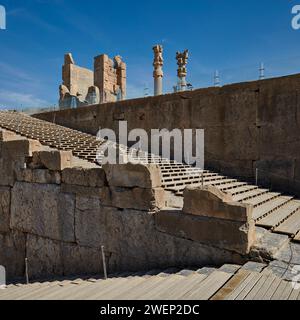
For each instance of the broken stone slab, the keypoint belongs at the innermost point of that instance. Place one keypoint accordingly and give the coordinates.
(131, 175)
(211, 202)
(235, 236)
(268, 245)
(290, 253)
(173, 201)
(89, 177)
(53, 160)
(284, 270)
(254, 266)
(138, 198)
(42, 209)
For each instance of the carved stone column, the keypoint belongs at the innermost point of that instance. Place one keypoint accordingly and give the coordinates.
(158, 72)
(182, 58)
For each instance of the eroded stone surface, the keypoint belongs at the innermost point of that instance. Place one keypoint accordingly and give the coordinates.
(12, 253)
(211, 202)
(133, 175)
(43, 210)
(90, 222)
(4, 209)
(94, 177)
(138, 198)
(224, 234)
(268, 245)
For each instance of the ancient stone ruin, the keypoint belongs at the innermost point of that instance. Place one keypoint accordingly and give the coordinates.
(81, 86)
(64, 213)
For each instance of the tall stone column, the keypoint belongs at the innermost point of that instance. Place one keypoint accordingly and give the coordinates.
(158, 72)
(182, 58)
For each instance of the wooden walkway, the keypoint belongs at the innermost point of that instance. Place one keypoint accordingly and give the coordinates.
(231, 282)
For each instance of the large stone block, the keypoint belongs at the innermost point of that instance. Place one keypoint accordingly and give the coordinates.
(133, 175)
(6, 135)
(43, 176)
(89, 177)
(44, 257)
(4, 209)
(211, 202)
(49, 258)
(21, 148)
(13, 157)
(79, 260)
(138, 198)
(90, 222)
(235, 236)
(12, 254)
(54, 160)
(43, 210)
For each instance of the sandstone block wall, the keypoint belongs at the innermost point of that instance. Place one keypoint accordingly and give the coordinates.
(248, 126)
(58, 217)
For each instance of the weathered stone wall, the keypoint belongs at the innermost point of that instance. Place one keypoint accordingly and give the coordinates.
(58, 216)
(248, 126)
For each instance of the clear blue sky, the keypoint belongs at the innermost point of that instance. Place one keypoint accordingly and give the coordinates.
(232, 36)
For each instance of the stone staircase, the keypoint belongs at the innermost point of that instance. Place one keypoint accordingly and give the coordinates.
(253, 281)
(280, 214)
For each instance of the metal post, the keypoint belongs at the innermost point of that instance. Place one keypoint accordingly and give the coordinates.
(217, 79)
(26, 271)
(104, 263)
(202, 180)
(261, 71)
(256, 176)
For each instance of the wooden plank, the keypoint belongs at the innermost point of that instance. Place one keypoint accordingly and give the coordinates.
(186, 286)
(294, 294)
(209, 286)
(276, 217)
(250, 194)
(174, 281)
(268, 207)
(256, 288)
(287, 291)
(265, 287)
(279, 291)
(244, 292)
(231, 285)
(242, 189)
(262, 199)
(273, 287)
(291, 226)
(241, 286)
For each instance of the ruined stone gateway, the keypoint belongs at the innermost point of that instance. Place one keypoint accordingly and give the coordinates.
(59, 206)
(81, 86)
